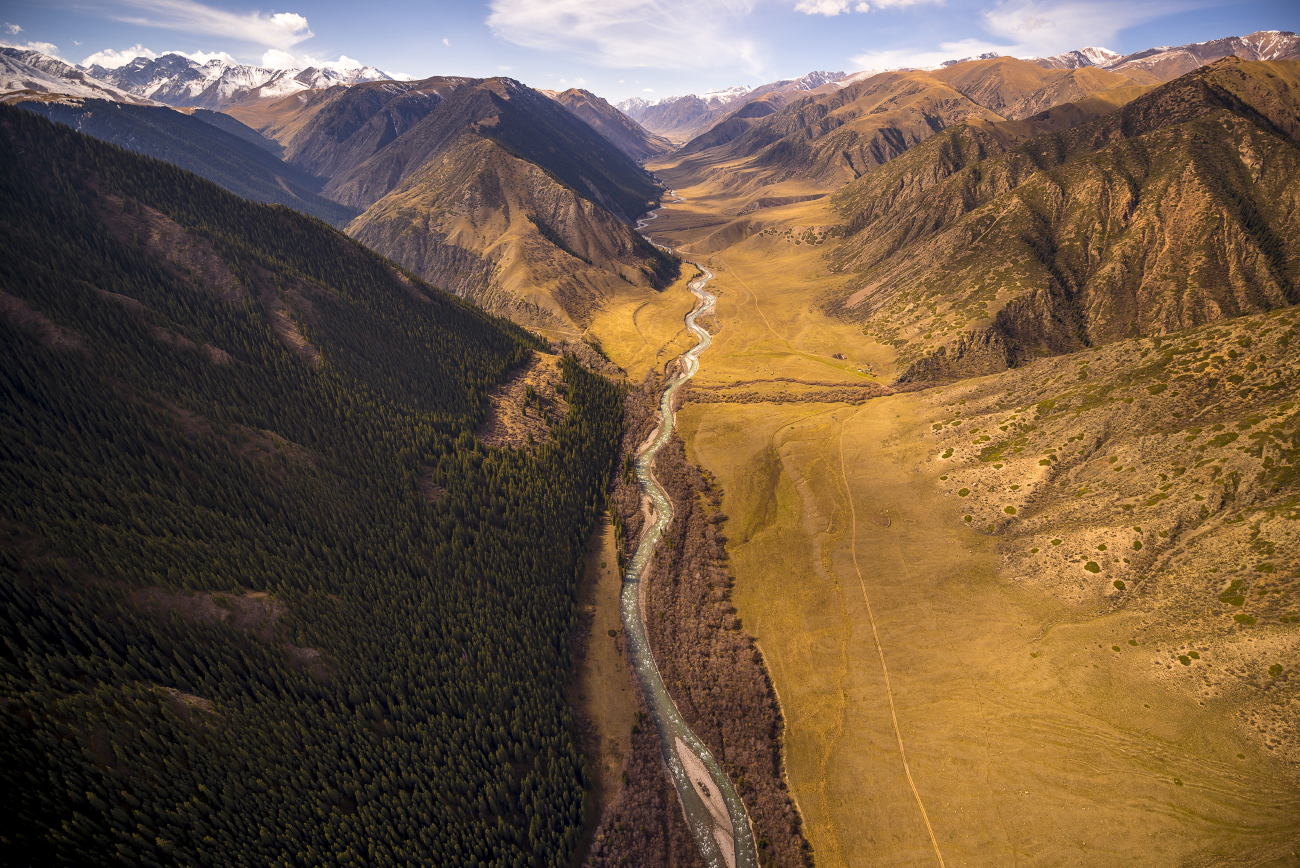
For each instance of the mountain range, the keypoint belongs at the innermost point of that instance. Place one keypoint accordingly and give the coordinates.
(681, 118)
(179, 81)
(544, 199)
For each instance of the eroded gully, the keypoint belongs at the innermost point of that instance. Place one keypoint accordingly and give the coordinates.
(713, 810)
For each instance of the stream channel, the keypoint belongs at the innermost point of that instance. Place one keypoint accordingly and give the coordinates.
(713, 809)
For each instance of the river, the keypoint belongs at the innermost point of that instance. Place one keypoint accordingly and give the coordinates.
(713, 809)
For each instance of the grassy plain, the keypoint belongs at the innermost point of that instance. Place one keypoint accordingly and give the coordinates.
(963, 692)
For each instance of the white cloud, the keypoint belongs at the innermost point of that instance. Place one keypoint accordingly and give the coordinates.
(1046, 27)
(647, 90)
(822, 7)
(446, 42)
(660, 34)
(276, 30)
(274, 58)
(206, 56)
(13, 29)
(110, 59)
(48, 48)
(899, 58)
(862, 7)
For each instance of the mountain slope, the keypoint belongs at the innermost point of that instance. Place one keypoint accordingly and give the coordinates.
(621, 131)
(235, 162)
(489, 188)
(500, 230)
(1176, 210)
(821, 142)
(265, 594)
(36, 73)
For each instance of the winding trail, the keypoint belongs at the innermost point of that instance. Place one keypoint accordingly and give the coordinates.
(713, 810)
(889, 692)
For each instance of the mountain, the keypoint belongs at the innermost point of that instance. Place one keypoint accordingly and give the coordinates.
(35, 74)
(792, 144)
(1078, 59)
(1166, 63)
(1018, 88)
(819, 142)
(981, 252)
(246, 524)
(487, 187)
(205, 143)
(179, 81)
(621, 131)
(505, 196)
(679, 118)
(682, 118)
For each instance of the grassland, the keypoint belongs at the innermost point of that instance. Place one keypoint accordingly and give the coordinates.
(1048, 716)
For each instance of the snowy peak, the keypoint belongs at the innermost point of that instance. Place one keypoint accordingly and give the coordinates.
(180, 81)
(1078, 59)
(814, 80)
(38, 73)
(988, 55)
(712, 99)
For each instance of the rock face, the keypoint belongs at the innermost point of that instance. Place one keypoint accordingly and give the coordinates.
(1179, 209)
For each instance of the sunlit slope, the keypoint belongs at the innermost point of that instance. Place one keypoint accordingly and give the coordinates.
(1176, 210)
(786, 145)
(1082, 584)
(267, 599)
(519, 119)
(504, 232)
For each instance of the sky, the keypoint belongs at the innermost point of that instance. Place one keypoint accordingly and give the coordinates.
(619, 48)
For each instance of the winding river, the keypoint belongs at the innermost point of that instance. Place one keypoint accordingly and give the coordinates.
(713, 809)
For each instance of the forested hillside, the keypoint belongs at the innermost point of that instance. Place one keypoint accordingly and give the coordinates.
(214, 146)
(266, 598)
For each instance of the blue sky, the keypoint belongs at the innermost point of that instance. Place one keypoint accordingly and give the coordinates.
(621, 48)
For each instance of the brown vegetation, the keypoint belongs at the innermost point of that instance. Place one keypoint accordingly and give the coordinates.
(711, 667)
(523, 408)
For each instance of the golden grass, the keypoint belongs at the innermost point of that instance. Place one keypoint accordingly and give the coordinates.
(1069, 757)
(1028, 739)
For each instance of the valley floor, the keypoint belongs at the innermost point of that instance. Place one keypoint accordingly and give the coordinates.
(947, 700)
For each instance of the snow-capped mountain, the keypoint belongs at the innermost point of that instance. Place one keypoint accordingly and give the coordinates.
(712, 99)
(1078, 58)
(24, 70)
(179, 81)
(681, 118)
(1167, 63)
